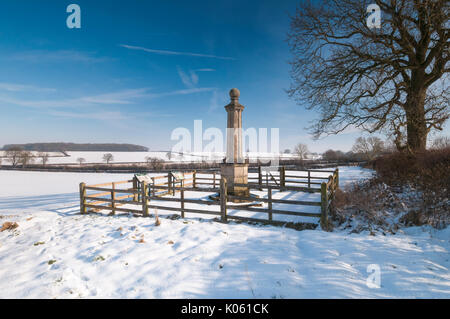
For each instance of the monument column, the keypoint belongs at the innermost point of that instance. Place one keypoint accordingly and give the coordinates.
(234, 129)
(235, 170)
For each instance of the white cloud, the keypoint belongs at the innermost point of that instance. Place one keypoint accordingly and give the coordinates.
(190, 80)
(214, 103)
(56, 56)
(205, 70)
(187, 91)
(113, 98)
(219, 98)
(181, 92)
(168, 52)
(121, 97)
(194, 78)
(103, 116)
(13, 87)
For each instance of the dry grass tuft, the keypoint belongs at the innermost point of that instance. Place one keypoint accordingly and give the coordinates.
(9, 226)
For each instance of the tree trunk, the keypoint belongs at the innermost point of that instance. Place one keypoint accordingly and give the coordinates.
(416, 126)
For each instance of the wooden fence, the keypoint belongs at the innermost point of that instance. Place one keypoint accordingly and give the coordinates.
(143, 195)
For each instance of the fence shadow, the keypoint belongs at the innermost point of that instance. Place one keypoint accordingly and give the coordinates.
(40, 201)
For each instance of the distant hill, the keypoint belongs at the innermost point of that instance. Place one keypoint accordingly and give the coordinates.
(75, 147)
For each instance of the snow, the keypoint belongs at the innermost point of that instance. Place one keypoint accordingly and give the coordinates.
(138, 157)
(58, 253)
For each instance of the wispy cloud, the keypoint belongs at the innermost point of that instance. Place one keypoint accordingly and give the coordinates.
(168, 52)
(218, 98)
(103, 115)
(14, 87)
(121, 97)
(205, 70)
(115, 98)
(213, 104)
(190, 80)
(184, 92)
(56, 56)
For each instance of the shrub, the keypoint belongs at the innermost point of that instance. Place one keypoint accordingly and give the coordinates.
(414, 185)
(428, 170)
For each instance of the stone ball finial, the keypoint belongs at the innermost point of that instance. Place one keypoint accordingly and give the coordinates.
(234, 94)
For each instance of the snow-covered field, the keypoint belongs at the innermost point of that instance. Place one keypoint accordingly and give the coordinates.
(140, 157)
(57, 253)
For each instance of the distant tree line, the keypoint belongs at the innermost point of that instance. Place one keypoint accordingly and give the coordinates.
(364, 149)
(77, 147)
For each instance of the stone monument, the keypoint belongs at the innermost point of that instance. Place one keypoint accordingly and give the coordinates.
(234, 168)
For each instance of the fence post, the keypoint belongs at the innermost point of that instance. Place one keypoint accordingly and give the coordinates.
(174, 185)
(331, 192)
(309, 179)
(269, 197)
(82, 198)
(169, 183)
(113, 198)
(144, 199)
(214, 179)
(282, 177)
(152, 189)
(135, 187)
(260, 178)
(194, 182)
(182, 201)
(324, 206)
(337, 177)
(223, 199)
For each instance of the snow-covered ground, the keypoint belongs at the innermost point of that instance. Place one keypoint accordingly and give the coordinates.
(57, 253)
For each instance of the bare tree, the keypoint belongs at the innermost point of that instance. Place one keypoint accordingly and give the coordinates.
(394, 78)
(332, 155)
(44, 157)
(301, 150)
(440, 142)
(26, 157)
(329, 155)
(369, 147)
(389, 146)
(13, 155)
(108, 157)
(169, 155)
(81, 160)
(154, 162)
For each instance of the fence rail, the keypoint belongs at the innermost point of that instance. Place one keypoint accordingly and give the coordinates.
(143, 194)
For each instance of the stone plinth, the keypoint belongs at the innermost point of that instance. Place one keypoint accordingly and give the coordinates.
(235, 173)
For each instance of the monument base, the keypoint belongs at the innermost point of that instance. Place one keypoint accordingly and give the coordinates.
(235, 173)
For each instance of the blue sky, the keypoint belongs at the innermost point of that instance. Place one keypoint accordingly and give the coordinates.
(136, 70)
